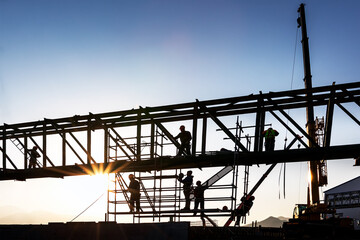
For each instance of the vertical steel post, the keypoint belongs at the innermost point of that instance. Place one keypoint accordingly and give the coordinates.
(4, 148)
(106, 143)
(310, 125)
(259, 126)
(25, 152)
(329, 118)
(64, 149)
(88, 150)
(44, 144)
(138, 137)
(204, 127)
(152, 140)
(194, 131)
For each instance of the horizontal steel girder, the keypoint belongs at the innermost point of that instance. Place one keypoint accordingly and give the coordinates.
(293, 99)
(217, 159)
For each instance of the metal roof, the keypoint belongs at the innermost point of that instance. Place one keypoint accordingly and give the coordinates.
(349, 186)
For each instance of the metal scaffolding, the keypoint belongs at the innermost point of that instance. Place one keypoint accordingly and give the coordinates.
(162, 196)
(140, 141)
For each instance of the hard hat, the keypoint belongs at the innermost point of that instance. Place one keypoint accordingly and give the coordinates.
(131, 176)
(35, 147)
(182, 127)
(198, 182)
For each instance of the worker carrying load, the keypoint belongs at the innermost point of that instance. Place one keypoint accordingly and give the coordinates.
(246, 204)
(269, 136)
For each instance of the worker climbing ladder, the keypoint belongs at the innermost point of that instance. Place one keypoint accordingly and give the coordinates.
(19, 145)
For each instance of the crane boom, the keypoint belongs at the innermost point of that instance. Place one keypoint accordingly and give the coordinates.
(310, 125)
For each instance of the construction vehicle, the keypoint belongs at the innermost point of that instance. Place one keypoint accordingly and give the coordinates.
(316, 220)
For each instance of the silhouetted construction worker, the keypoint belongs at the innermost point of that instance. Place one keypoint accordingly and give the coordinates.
(185, 138)
(187, 187)
(247, 203)
(270, 135)
(134, 189)
(199, 197)
(33, 157)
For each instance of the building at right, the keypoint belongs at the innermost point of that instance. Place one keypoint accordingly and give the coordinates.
(345, 199)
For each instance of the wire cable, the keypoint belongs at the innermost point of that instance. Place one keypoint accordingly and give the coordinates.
(288, 112)
(292, 73)
(88, 206)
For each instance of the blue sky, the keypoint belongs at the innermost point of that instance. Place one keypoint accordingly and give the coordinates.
(61, 58)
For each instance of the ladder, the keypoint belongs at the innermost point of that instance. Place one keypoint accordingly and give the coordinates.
(147, 196)
(19, 145)
(123, 187)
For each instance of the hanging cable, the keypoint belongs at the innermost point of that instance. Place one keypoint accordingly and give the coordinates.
(284, 179)
(292, 74)
(288, 112)
(280, 178)
(89, 206)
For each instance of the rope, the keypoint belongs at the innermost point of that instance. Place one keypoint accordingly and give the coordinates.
(88, 206)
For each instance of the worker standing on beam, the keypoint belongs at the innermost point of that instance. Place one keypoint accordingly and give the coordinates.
(187, 187)
(33, 157)
(199, 198)
(185, 138)
(270, 135)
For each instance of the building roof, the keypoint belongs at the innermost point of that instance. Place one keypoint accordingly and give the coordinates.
(349, 186)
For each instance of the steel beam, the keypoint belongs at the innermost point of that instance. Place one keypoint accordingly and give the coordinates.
(220, 159)
(257, 104)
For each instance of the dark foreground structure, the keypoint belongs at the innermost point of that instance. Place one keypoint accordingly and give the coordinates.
(143, 231)
(165, 231)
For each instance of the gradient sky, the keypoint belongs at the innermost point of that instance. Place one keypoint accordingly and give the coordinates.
(62, 57)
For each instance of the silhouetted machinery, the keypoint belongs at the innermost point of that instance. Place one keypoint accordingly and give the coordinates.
(315, 219)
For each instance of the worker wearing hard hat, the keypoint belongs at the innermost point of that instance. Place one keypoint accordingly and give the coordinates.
(199, 197)
(33, 157)
(270, 135)
(246, 204)
(185, 138)
(134, 189)
(187, 187)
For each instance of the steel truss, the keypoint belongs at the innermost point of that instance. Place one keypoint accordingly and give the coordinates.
(74, 137)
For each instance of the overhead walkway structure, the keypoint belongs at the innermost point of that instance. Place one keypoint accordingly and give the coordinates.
(141, 141)
(74, 138)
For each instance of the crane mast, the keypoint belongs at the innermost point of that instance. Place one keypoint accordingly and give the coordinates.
(313, 193)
